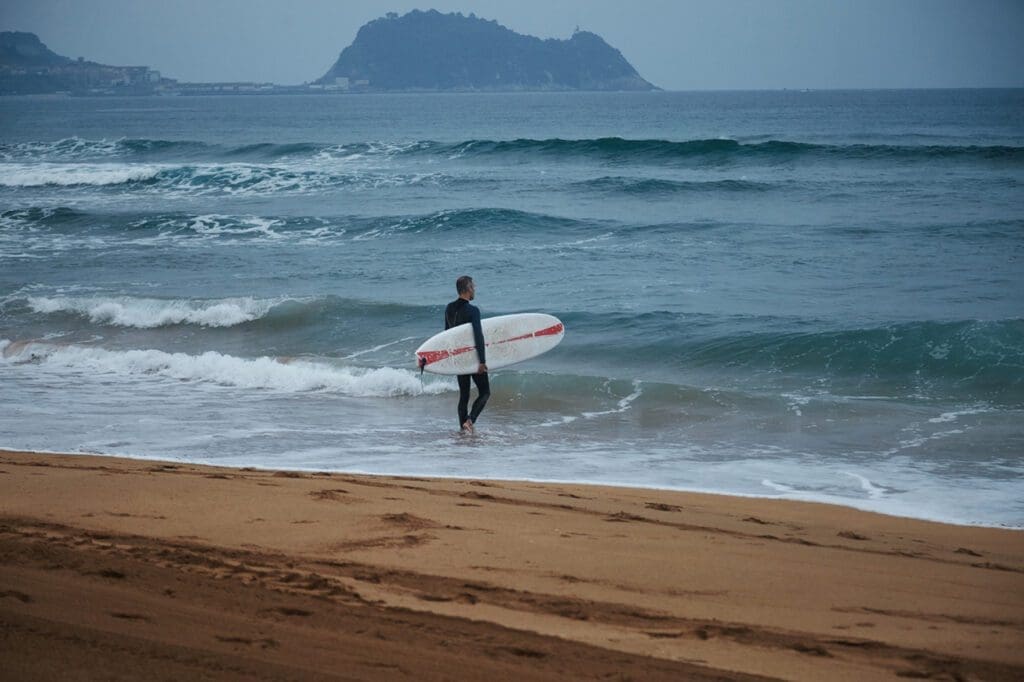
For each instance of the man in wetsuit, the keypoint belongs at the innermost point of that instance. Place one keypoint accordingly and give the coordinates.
(461, 311)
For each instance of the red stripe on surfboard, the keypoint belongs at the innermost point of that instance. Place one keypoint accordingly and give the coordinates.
(551, 331)
(432, 356)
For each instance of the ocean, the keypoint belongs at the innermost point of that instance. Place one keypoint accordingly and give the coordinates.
(799, 295)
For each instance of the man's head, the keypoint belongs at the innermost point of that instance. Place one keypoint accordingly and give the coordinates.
(464, 285)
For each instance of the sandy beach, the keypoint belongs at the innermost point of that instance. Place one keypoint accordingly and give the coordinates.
(133, 569)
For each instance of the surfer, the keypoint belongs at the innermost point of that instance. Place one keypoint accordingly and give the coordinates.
(461, 311)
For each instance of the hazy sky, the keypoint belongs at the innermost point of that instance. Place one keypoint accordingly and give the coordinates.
(675, 44)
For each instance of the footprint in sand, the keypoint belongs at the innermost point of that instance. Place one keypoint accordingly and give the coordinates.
(850, 535)
(263, 643)
(130, 616)
(658, 506)
(14, 594)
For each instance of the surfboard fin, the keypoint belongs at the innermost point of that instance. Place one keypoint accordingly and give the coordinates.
(423, 364)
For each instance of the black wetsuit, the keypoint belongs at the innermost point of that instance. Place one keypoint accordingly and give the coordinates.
(461, 311)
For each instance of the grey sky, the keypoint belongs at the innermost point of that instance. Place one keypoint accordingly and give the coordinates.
(676, 44)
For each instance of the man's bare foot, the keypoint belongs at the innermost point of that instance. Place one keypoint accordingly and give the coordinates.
(468, 426)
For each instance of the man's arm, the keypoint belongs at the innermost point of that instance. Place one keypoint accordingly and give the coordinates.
(478, 336)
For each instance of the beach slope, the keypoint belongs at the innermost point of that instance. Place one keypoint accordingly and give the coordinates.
(122, 569)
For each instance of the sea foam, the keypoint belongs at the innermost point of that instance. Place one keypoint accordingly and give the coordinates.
(149, 313)
(282, 375)
(71, 175)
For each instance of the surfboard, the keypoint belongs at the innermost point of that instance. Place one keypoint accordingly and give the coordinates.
(508, 339)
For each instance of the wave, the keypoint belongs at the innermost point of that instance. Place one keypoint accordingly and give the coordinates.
(989, 353)
(502, 219)
(605, 148)
(653, 150)
(977, 356)
(66, 223)
(285, 375)
(239, 179)
(148, 229)
(655, 186)
(136, 149)
(76, 148)
(43, 216)
(67, 148)
(608, 148)
(149, 313)
(63, 219)
(265, 315)
(204, 179)
(75, 175)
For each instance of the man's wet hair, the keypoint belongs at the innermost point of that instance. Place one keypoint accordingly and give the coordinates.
(463, 283)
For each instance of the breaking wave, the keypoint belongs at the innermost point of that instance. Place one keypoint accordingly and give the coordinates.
(276, 374)
(610, 148)
(149, 313)
(202, 179)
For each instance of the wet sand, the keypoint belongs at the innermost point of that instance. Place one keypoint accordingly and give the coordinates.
(133, 569)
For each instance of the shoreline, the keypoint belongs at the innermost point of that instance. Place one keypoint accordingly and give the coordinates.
(852, 505)
(123, 566)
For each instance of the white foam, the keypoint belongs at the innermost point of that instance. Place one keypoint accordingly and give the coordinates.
(589, 240)
(282, 375)
(873, 491)
(377, 348)
(70, 174)
(953, 416)
(565, 419)
(70, 147)
(918, 441)
(621, 406)
(149, 313)
(22, 256)
(778, 487)
(219, 225)
(796, 401)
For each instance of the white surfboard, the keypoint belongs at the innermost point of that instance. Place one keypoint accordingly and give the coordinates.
(507, 339)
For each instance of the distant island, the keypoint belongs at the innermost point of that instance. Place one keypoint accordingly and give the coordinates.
(421, 51)
(433, 51)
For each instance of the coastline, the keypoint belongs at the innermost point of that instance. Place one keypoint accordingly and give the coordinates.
(122, 565)
(866, 505)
